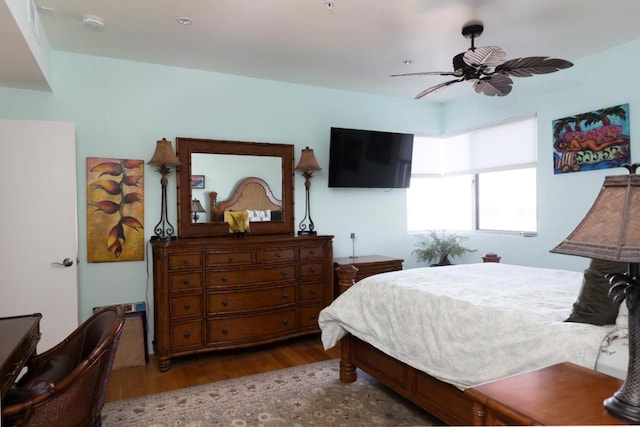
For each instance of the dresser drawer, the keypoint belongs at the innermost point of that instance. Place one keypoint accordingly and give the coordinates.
(186, 335)
(185, 306)
(224, 302)
(229, 258)
(276, 255)
(311, 252)
(251, 276)
(309, 316)
(185, 282)
(311, 291)
(185, 260)
(251, 327)
(311, 269)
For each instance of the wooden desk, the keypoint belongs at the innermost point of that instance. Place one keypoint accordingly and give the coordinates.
(19, 336)
(367, 266)
(562, 394)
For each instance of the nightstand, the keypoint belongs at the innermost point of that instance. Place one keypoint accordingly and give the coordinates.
(367, 266)
(562, 394)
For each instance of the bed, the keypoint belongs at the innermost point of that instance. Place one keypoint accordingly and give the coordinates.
(429, 333)
(252, 195)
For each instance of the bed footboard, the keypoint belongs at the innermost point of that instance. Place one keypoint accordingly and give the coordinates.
(442, 400)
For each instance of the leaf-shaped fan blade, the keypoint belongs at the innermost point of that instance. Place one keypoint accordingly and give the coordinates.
(437, 87)
(429, 73)
(485, 57)
(496, 85)
(526, 67)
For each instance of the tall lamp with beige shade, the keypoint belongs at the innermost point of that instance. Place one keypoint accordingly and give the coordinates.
(611, 231)
(307, 165)
(164, 157)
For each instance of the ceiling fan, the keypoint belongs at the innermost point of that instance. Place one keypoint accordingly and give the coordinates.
(488, 68)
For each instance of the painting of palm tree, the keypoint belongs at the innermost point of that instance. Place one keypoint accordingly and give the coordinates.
(593, 140)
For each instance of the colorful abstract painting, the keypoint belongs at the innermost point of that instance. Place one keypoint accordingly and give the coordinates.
(115, 210)
(590, 141)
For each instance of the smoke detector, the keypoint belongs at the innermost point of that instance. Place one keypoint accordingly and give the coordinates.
(93, 22)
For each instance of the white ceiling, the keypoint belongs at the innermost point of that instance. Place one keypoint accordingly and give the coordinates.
(355, 45)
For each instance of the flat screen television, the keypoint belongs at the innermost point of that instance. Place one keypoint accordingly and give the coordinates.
(369, 159)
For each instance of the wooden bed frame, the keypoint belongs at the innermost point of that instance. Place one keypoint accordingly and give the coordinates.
(442, 400)
(251, 193)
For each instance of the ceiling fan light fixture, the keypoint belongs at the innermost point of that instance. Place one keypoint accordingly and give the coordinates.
(183, 20)
(488, 68)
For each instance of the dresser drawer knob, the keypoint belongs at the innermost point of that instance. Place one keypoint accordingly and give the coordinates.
(312, 317)
(285, 273)
(225, 302)
(278, 255)
(187, 306)
(186, 282)
(312, 269)
(313, 291)
(224, 279)
(187, 334)
(230, 259)
(225, 330)
(285, 321)
(312, 252)
(185, 261)
(285, 295)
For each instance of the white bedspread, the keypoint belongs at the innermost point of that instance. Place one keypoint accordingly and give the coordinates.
(467, 324)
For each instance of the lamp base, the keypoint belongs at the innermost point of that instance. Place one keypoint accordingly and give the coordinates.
(164, 239)
(306, 233)
(622, 410)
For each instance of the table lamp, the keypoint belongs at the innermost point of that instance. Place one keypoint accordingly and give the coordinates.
(307, 165)
(196, 208)
(611, 231)
(164, 157)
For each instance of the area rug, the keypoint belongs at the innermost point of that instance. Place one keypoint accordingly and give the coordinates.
(300, 396)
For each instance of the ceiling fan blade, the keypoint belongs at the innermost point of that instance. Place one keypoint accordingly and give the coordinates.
(526, 67)
(495, 85)
(485, 57)
(428, 73)
(437, 87)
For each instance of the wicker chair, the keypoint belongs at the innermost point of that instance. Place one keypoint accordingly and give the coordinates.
(66, 385)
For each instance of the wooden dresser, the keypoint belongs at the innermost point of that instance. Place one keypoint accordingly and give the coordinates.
(225, 292)
(367, 265)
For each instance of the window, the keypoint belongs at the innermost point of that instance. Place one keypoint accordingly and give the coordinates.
(481, 180)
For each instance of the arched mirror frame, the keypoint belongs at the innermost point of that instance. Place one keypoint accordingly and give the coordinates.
(185, 147)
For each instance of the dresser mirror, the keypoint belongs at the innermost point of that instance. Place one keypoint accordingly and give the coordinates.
(223, 164)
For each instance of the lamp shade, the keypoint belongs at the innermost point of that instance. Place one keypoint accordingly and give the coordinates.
(611, 228)
(196, 206)
(164, 155)
(308, 161)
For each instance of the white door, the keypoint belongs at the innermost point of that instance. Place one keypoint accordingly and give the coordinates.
(39, 225)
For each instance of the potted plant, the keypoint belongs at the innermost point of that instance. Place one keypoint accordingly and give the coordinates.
(433, 247)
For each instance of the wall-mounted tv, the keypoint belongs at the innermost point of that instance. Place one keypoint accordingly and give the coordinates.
(369, 159)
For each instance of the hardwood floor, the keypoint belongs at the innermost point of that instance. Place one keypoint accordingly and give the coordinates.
(188, 371)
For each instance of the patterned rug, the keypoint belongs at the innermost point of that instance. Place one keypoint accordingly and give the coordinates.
(299, 396)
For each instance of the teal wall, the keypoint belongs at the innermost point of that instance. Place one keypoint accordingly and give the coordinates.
(121, 108)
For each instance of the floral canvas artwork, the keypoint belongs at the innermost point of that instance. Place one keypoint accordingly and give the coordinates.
(115, 210)
(590, 141)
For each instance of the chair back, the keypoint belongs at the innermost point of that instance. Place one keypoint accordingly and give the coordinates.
(74, 398)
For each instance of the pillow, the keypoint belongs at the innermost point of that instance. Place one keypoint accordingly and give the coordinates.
(259, 216)
(593, 304)
(31, 385)
(622, 321)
